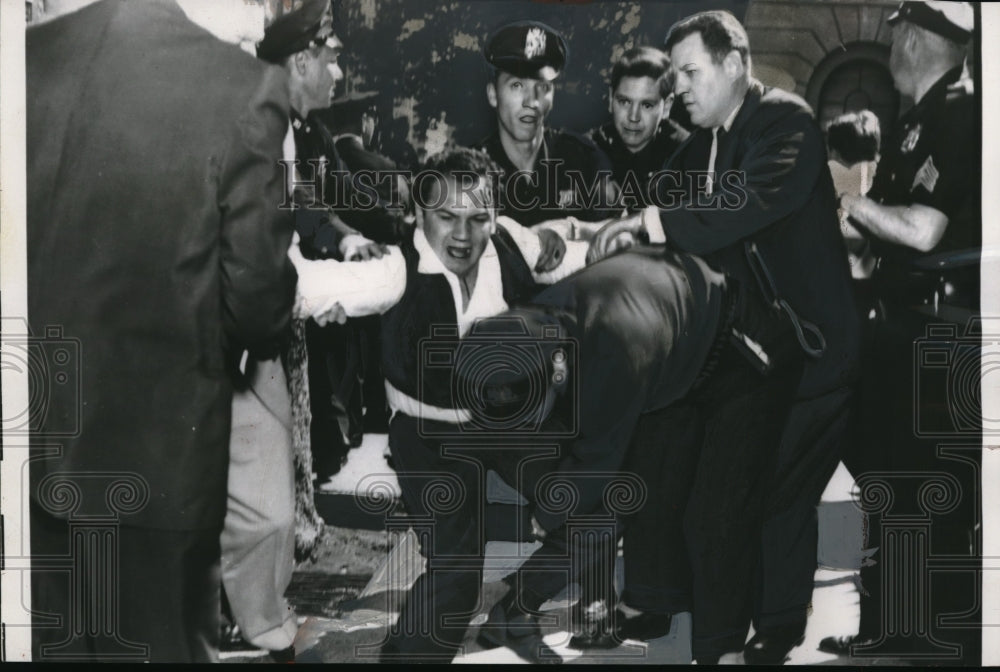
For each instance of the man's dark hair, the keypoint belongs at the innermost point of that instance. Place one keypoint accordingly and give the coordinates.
(460, 163)
(855, 136)
(644, 62)
(720, 31)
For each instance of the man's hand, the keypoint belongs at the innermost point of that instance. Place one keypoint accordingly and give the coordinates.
(335, 314)
(619, 234)
(356, 247)
(553, 251)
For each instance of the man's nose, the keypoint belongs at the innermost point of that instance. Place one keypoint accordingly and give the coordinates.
(461, 230)
(531, 97)
(633, 112)
(335, 72)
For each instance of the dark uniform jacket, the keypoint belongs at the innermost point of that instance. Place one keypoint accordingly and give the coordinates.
(155, 242)
(788, 211)
(642, 164)
(573, 167)
(427, 303)
(932, 159)
(363, 209)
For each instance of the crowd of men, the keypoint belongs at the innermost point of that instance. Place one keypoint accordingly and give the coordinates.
(661, 312)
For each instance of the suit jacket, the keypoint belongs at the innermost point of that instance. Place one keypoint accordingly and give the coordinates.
(154, 240)
(789, 212)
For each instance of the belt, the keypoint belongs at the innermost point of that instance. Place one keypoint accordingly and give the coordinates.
(401, 402)
(727, 318)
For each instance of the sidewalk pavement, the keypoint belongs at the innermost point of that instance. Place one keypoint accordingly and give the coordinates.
(345, 608)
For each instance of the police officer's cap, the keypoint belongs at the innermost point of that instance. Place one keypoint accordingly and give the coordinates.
(527, 49)
(952, 20)
(293, 31)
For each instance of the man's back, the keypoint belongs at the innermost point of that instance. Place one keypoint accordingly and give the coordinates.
(154, 238)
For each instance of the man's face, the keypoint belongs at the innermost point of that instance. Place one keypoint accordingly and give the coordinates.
(899, 57)
(521, 104)
(637, 109)
(316, 71)
(460, 227)
(703, 86)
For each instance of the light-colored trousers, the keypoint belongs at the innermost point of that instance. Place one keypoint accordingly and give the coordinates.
(258, 538)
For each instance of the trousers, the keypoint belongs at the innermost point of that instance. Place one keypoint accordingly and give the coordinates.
(258, 536)
(694, 545)
(162, 607)
(811, 447)
(443, 488)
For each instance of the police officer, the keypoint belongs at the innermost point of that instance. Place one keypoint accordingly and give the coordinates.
(304, 42)
(640, 137)
(548, 173)
(923, 210)
(924, 199)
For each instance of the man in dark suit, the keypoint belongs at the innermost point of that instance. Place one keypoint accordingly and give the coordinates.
(758, 203)
(155, 241)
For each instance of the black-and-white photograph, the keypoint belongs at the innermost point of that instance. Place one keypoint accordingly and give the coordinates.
(499, 331)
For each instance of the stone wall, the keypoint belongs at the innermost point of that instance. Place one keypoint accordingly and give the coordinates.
(423, 59)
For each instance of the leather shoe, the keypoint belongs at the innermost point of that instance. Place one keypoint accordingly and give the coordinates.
(841, 646)
(519, 632)
(283, 655)
(231, 641)
(771, 647)
(644, 627)
(598, 633)
(593, 629)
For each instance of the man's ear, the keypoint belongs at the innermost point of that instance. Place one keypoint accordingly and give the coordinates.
(733, 64)
(491, 94)
(611, 100)
(299, 58)
(668, 103)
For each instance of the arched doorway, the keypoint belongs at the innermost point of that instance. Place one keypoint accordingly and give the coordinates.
(856, 78)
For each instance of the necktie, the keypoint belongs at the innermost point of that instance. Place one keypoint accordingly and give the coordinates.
(712, 155)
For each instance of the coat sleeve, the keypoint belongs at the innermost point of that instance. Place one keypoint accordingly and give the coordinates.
(258, 279)
(775, 178)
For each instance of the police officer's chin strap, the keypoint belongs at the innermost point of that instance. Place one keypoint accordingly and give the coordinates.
(804, 329)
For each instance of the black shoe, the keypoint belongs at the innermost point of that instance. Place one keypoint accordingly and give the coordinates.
(841, 646)
(771, 647)
(594, 628)
(598, 634)
(644, 627)
(283, 655)
(519, 633)
(231, 641)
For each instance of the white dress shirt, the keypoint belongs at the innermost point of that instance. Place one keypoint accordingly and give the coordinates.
(372, 287)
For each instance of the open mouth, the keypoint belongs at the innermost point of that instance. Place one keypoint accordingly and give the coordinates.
(459, 252)
(529, 119)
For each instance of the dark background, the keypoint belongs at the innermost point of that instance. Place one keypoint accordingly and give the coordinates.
(422, 60)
